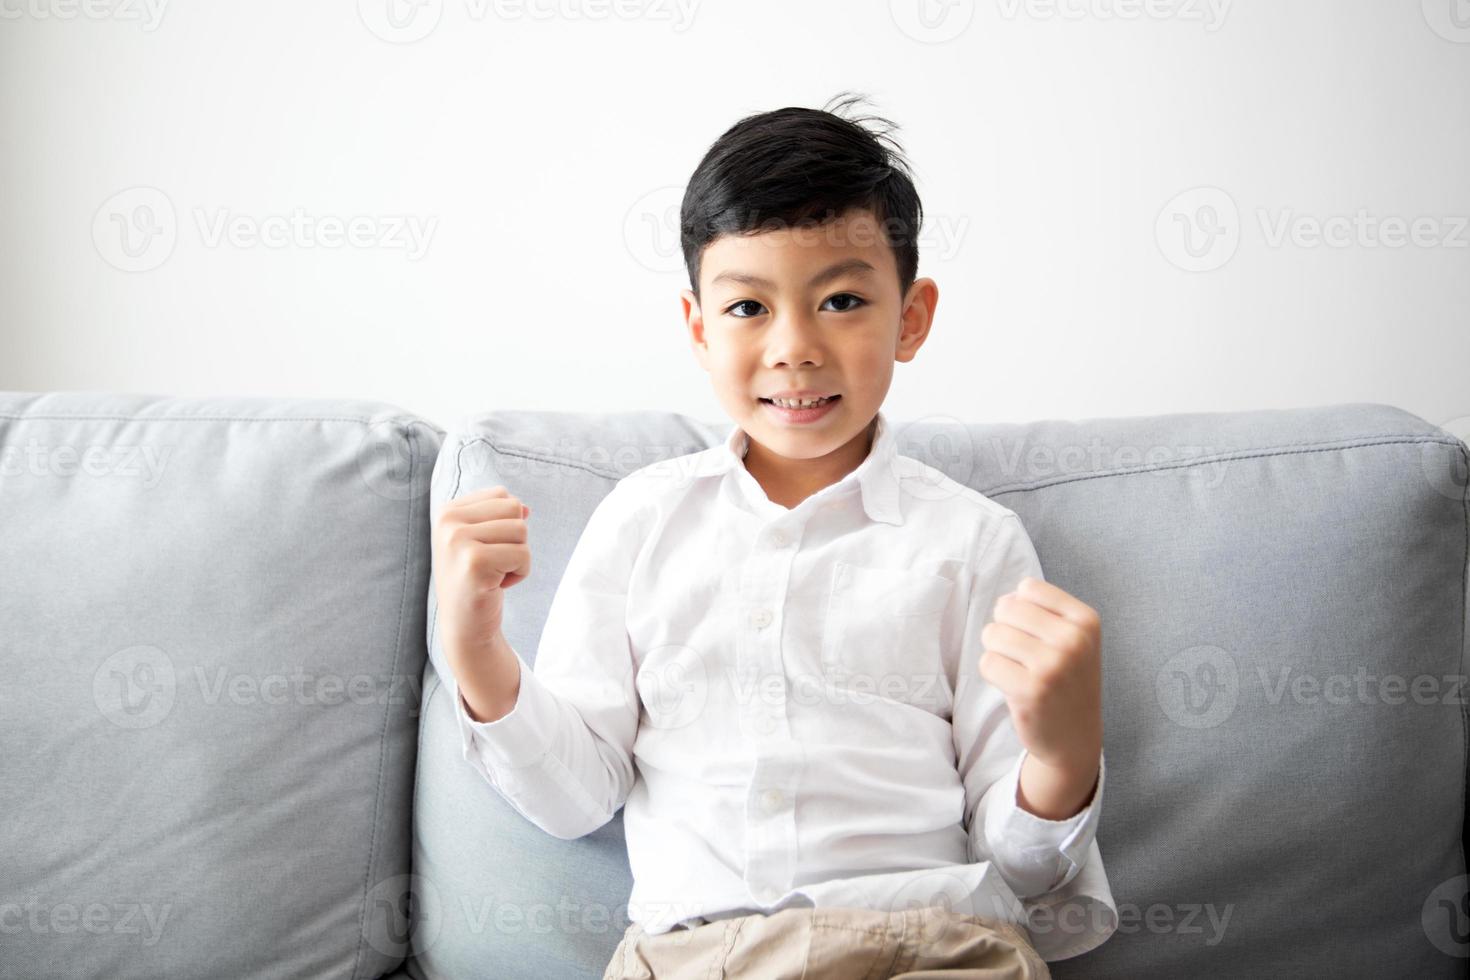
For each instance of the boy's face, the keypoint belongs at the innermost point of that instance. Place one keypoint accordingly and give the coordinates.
(806, 308)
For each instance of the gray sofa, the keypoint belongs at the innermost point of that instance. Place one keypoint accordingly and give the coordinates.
(227, 748)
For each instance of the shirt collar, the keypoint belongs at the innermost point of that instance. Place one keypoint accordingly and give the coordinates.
(876, 476)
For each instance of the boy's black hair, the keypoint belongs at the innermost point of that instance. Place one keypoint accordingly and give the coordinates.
(797, 167)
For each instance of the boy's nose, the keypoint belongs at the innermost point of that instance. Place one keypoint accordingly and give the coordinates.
(793, 339)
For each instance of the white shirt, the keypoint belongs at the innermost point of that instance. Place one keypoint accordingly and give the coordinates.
(797, 693)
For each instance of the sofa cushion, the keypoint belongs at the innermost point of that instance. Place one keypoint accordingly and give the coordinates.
(1262, 817)
(211, 634)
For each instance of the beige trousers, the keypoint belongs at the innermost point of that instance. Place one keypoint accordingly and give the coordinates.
(832, 944)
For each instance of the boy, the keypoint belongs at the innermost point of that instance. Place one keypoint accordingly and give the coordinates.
(856, 732)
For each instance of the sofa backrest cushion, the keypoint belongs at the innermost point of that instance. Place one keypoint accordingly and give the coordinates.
(212, 641)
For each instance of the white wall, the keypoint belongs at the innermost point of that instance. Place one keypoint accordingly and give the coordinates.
(542, 146)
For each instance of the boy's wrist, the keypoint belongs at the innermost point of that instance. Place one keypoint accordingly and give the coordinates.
(490, 681)
(1057, 792)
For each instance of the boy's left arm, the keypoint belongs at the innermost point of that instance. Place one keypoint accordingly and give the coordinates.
(1042, 650)
(1027, 720)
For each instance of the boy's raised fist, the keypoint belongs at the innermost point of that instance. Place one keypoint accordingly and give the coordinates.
(480, 549)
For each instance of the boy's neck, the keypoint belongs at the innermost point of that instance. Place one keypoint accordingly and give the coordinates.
(788, 482)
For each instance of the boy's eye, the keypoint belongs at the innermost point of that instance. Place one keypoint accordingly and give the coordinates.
(853, 302)
(856, 301)
(743, 302)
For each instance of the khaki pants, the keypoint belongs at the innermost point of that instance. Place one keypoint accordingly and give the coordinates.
(832, 944)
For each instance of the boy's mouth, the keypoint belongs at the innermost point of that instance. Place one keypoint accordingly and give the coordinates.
(800, 402)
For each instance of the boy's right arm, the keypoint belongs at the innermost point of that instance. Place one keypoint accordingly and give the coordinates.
(481, 548)
(555, 742)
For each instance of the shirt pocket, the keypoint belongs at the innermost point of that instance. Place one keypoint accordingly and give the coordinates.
(882, 629)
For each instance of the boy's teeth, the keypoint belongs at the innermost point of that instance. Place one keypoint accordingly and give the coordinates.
(802, 403)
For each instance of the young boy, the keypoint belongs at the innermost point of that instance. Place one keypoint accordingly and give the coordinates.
(856, 732)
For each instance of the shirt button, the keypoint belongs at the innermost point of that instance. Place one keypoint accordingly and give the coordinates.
(778, 539)
(760, 618)
(772, 799)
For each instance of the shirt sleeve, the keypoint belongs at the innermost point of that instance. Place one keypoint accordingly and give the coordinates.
(1040, 859)
(563, 755)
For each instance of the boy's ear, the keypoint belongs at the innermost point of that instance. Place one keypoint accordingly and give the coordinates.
(917, 317)
(694, 323)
